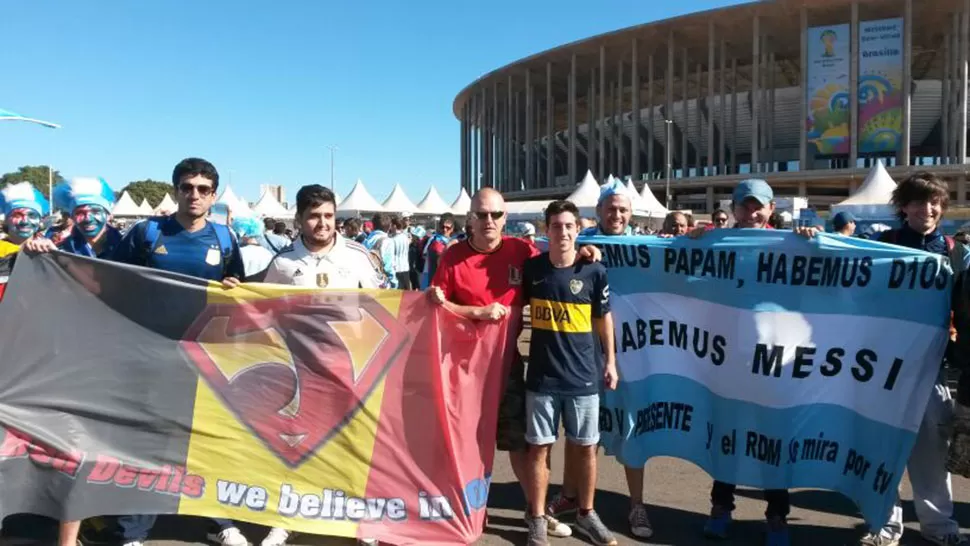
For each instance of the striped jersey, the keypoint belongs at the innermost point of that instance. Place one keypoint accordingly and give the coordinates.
(564, 355)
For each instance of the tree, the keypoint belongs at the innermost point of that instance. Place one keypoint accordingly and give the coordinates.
(153, 190)
(38, 175)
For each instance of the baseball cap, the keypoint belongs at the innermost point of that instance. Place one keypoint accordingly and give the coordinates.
(753, 187)
(842, 219)
(528, 229)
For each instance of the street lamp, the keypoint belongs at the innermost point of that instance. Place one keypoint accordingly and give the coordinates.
(668, 123)
(332, 149)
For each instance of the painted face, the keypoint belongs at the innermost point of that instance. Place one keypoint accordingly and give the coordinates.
(90, 220)
(23, 223)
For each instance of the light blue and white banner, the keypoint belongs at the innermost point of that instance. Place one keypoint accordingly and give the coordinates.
(775, 361)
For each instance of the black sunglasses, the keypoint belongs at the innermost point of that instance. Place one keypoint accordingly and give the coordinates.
(187, 189)
(495, 214)
(720, 219)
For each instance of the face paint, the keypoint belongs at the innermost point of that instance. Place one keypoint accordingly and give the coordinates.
(90, 220)
(23, 223)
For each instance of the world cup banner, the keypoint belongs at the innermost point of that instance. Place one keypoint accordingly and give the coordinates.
(125, 390)
(775, 361)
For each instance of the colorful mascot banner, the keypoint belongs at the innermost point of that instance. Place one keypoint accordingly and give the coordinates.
(828, 90)
(130, 391)
(880, 85)
(774, 361)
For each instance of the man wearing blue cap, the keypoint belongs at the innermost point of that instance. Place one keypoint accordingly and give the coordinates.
(754, 203)
(22, 207)
(844, 223)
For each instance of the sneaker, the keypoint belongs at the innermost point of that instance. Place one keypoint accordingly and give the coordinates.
(591, 526)
(368, 542)
(134, 543)
(538, 531)
(639, 522)
(229, 537)
(777, 533)
(562, 506)
(878, 539)
(717, 524)
(276, 537)
(952, 539)
(554, 527)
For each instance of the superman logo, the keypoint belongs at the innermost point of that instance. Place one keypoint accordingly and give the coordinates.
(296, 369)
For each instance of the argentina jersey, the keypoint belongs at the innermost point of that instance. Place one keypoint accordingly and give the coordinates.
(564, 355)
(170, 247)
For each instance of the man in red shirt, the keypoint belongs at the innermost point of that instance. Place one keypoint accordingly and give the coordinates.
(481, 278)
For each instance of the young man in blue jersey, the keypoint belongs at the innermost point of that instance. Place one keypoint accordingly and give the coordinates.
(570, 307)
(613, 210)
(185, 242)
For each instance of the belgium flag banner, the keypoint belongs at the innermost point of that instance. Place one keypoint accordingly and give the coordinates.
(125, 390)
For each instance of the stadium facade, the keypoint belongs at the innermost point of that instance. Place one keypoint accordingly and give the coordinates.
(807, 93)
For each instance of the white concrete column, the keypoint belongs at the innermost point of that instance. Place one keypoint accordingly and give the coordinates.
(635, 106)
(530, 136)
(710, 97)
(854, 86)
(571, 167)
(803, 163)
(902, 157)
(755, 93)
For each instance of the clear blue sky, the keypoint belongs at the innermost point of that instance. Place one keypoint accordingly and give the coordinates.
(260, 88)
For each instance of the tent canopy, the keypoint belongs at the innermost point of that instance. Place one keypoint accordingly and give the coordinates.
(125, 207)
(462, 204)
(873, 199)
(397, 201)
(587, 193)
(144, 209)
(167, 206)
(236, 205)
(358, 202)
(433, 204)
(269, 207)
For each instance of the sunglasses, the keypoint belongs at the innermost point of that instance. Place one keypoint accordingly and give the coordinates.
(484, 214)
(720, 220)
(188, 189)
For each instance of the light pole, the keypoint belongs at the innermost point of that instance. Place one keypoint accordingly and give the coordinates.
(667, 175)
(332, 149)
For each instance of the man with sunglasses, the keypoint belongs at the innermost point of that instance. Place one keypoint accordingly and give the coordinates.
(719, 219)
(436, 245)
(481, 278)
(185, 242)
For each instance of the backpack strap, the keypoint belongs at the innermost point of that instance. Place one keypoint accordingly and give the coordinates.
(226, 240)
(270, 243)
(153, 231)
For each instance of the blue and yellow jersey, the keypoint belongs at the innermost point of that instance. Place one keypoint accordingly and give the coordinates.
(564, 355)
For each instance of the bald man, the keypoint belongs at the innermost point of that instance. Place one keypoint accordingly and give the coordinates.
(481, 278)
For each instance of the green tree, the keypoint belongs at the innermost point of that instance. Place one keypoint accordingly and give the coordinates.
(153, 190)
(38, 175)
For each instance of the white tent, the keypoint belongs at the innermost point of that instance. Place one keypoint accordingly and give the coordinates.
(238, 206)
(125, 207)
(144, 209)
(358, 202)
(433, 204)
(872, 199)
(269, 207)
(650, 204)
(462, 204)
(166, 207)
(586, 194)
(526, 210)
(397, 201)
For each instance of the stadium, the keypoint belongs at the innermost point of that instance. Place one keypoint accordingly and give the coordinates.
(691, 105)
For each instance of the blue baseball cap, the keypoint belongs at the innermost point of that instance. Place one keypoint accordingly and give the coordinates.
(842, 219)
(756, 188)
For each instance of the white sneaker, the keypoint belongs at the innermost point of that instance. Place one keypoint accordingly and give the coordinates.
(229, 537)
(276, 537)
(368, 542)
(133, 543)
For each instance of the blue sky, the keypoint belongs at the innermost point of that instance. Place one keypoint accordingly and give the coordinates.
(261, 88)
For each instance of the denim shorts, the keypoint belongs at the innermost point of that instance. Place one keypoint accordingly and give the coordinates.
(580, 417)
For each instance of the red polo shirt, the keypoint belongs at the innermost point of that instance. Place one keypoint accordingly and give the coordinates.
(469, 277)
